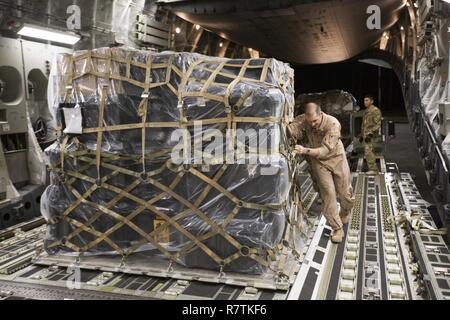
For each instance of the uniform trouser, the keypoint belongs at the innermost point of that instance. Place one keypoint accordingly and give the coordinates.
(313, 178)
(334, 179)
(370, 157)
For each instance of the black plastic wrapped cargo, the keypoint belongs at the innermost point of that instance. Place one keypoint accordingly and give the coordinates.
(116, 187)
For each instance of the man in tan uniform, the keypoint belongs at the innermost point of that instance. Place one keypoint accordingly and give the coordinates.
(370, 131)
(328, 164)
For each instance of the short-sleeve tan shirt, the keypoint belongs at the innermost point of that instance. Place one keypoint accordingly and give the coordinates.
(327, 137)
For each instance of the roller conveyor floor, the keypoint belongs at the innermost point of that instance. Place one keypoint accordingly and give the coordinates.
(381, 257)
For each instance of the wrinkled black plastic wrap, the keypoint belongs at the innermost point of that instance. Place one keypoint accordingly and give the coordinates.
(250, 227)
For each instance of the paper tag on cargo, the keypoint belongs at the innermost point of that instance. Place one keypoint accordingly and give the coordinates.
(6, 127)
(163, 236)
(73, 119)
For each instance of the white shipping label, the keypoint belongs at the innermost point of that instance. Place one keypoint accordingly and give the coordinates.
(6, 127)
(73, 119)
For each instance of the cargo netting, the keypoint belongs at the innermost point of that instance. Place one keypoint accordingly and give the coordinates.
(117, 188)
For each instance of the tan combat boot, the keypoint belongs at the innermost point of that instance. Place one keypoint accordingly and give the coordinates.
(338, 236)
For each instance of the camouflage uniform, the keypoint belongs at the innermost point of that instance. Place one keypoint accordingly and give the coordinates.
(330, 170)
(370, 131)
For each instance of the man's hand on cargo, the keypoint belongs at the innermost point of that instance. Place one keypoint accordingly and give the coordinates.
(300, 150)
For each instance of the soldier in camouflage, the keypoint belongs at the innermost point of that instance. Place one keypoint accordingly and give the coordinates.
(370, 131)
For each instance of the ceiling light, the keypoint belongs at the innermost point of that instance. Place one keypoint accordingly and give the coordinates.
(177, 30)
(221, 44)
(49, 34)
(197, 27)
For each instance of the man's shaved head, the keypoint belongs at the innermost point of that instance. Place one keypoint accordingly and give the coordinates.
(312, 109)
(313, 114)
